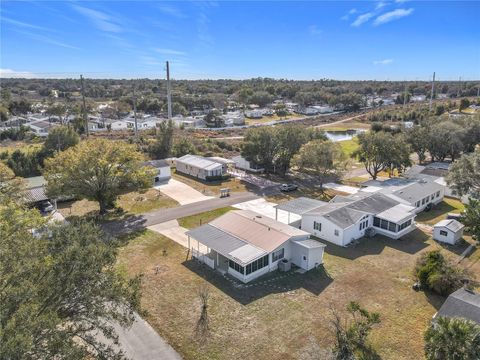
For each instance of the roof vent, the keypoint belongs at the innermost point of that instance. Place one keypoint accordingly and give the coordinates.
(259, 216)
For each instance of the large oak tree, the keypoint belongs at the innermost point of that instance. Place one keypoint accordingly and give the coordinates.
(98, 170)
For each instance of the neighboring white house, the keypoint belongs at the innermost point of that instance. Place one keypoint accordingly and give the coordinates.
(247, 245)
(349, 218)
(163, 170)
(254, 114)
(41, 128)
(243, 164)
(419, 193)
(448, 231)
(200, 167)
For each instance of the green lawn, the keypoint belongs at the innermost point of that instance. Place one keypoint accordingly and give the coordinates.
(193, 221)
(440, 211)
(284, 318)
(349, 146)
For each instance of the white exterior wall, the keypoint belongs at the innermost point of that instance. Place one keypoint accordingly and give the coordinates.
(451, 237)
(398, 235)
(306, 258)
(328, 229)
(198, 172)
(164, 173)
(353, 232)
(435, 200)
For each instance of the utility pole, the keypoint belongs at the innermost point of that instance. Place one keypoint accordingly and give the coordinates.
(433, 90)
(135, 110)
(405, 95)
(169, 94)
(85, 120)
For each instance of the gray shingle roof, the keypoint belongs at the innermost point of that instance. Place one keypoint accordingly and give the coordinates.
(35, 194)
(417, 190)
(300, 205)
(462, 303)
(156, 163)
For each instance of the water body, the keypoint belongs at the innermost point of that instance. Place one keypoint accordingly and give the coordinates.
(343, 135)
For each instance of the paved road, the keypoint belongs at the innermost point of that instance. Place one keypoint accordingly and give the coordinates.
(163, 215)
(141, 342)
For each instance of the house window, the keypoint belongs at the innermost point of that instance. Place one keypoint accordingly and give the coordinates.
(277, 255)
(443, 233)
(336, 232)
(392, 227)
(432, 197)
(238, 268)
(405, 225)
(417, 204)
(257, 265)
(317, 226)
(438, 193)
(376, 222)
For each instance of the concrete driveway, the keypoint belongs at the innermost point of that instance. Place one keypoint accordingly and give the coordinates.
(141, 342)
(174, 231)
(181, 192)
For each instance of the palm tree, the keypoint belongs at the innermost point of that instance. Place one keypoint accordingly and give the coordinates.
(452, 339)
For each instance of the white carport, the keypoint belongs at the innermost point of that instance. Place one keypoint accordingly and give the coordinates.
(296, 208)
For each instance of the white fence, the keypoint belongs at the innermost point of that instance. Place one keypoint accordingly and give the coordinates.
(203, 258)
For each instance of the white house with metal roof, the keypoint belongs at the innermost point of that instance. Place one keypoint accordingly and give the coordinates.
(448, 231)
(200, 167)
(246, 245)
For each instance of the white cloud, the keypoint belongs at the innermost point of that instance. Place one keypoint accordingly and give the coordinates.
(380, 5)
(9, 73)
(172, 11)
(383, 62)
(392, 15)
(46, 39)
(23, 24)
(362, 19)
(101, 20)
(400, 1)
(347, 15)
(151, 61)
(170, 52)
(314, 30)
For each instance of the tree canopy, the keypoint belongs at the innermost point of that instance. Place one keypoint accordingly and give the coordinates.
(464, 174)
(98, 170)
(59, 286)
(322, 159)
(452, 338)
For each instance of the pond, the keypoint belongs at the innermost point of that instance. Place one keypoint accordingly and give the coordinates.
(343, 134)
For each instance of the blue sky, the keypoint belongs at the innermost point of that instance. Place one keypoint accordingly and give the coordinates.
(395, 40)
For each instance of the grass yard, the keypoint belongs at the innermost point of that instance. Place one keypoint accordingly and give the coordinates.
(349, 146)
(289, 317)
(212, 188)
(440, 211)
(193, 221)
(132, 203)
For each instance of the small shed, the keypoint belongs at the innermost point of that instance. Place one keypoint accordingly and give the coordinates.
(448, 231)
(163, 170)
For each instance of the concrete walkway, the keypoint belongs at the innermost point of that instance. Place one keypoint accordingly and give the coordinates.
(181, 192)
(175, 232)
(141, 342)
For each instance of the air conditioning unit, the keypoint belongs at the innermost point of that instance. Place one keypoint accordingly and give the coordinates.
(284, 265)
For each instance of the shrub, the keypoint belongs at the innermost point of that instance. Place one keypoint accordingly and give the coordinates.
(437, 274)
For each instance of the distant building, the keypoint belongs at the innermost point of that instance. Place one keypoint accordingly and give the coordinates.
(162, 167)
(200, 167)
(254, 114)
(243, 164)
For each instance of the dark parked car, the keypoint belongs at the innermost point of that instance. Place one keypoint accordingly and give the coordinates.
(46, 207)
(288, 187)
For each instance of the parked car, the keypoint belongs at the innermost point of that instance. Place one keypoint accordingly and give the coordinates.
(288, 187)
(46, 207)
